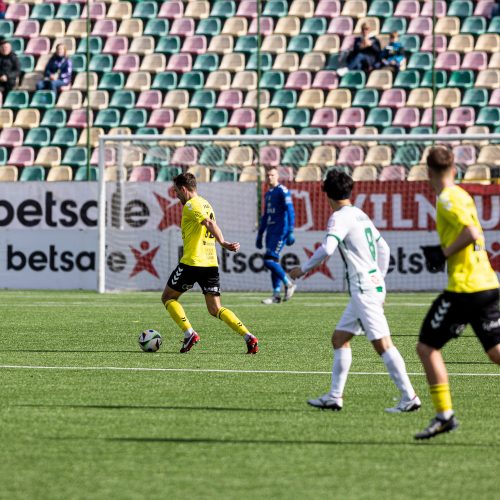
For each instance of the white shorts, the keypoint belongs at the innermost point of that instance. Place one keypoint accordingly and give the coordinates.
(365, 313)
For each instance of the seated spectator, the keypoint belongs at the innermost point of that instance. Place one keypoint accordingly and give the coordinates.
(3, 8)
(392, 55)
(57, 72)
(365, 53)
(9, 67)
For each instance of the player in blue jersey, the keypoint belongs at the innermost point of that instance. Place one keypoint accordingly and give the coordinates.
(278, 223)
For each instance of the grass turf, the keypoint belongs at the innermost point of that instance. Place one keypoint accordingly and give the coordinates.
(101, 433)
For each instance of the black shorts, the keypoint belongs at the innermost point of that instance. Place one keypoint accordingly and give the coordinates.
(184, 277)
(451, 312)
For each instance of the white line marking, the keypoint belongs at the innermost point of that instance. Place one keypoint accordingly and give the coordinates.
(214, 370)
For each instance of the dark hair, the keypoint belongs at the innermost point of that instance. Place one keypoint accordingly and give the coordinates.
(338, 185)
(440, 159)
(186, 180)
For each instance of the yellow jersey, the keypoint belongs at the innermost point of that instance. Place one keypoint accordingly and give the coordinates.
(468, 270)
(199, 244)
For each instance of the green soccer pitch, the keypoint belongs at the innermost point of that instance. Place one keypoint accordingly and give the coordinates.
(84, 414)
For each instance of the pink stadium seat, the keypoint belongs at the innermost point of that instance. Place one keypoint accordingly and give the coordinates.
(351, 156)
(484, 8)
(38, 46)
(116, 45)
(427, 8)
(465, 154)
(328, 8)
(185, 156)
(326, 80)
(247, 8)
(27, 28)
(270, 156)
(105, 27)
(285, 174)
(464, 116)
(406, 117)
(338, 131)
(475, 61)
(392, 173)
(78, 118)
(142, 174)
(17, 11)
(420, 26)
(407, 8)
(22, 156)
(393, 98)
(161, 118)
(324, 118)
(341, 25)
(441, 117)
(183, 27)
(299, 80)
(196, 44)
(266, 26)
(127, 63)
(352, 117)
(243, 118)
(97, 11)
(230, 99)
(149, 99)
(441, 42)
(109, 156)
(447, 130)
(11, 137)
(495, 98)
(180, 63)
(171, 10)
(348, 43)
(449, 61)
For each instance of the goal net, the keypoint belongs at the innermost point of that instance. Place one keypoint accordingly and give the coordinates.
(139, 235)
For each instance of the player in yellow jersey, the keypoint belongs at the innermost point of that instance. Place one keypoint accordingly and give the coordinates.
(471, 295)
(199, 265)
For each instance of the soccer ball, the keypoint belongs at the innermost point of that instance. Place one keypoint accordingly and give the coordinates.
(150, 340)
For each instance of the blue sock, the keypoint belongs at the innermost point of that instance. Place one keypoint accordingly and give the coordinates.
(275, 268)
(276, 283)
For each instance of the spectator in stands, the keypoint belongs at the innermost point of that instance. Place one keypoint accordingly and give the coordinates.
(392, 55)
(57, 72)
(3, 8)
(365, 53)
(9, 67)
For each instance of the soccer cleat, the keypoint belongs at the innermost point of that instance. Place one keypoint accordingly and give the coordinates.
(327, 402)
(275, 299)
(188, 343)
(252, 345)
(438, 426)
(405, 406)
(289, 291)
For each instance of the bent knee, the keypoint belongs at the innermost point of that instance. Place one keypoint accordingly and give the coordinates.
(494, 354)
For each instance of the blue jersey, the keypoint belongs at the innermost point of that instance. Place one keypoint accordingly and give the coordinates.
(279, 215)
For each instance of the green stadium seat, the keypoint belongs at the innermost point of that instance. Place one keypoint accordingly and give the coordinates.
(295, 156)
(26, 63)
(37, 137)
(16, 99)
(393, 131)
(212, 156)
(54, 118)
(65, 137)
(391, 24)
(302, 44)
(366, 98)
(223, 9)
(266, 61)
(379, 117)
(211, 26)
(156, 27)
(381, 8)
(272, 80)
(43, 99)
(68, 11)
(201, 131)
(460, 8)
(6, 28)
(192, 80)
(285, 99)
(168, 45)
(462, 79)
(165, 81)
(353, 80)
(475, 97)
(86, 174)
(494, 26)
(112, 81)
(134, 118)
(101, 63)
(297, 118)
(147, 131)
(17, 45)
(312, 131)
(75, 157)
(246, 44)
(314, 26)
(3, 155)
(333, 62)
(79, 62)
(123, 99)
(225, 176)
(474, 25)
(489, 117)
(422, 130)
(207, 62)
(146, 10)
(167, 173)
(275, 8)
(439, 76)
(406, 155)
(203, 99)
(32, 173)
(215, 118)
(94, 42)
(410, 43)
(107, 118)
(421, 61)
(43, 11)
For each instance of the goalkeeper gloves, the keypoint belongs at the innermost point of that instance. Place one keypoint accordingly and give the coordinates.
(434, 258)
(258, 242)
(290, 239)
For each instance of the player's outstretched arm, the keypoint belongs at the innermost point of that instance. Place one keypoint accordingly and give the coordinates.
(324, 251)
(216, 232)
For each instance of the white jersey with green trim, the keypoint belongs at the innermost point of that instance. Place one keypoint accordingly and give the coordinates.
(359, 242)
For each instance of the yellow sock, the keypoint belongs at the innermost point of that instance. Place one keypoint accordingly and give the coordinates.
(441, 397)
(177, 313)
(232, 321)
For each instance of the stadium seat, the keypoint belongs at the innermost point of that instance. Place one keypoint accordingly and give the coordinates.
(32, 173)
(437, 113)
(188, 118)
(48, 156)
(353, 80)
(463, 79)
(311, 98)
(380, 79)
(379, 117)
(229, 99)
(285, 99)
(170, 10)
(215, 118)
(168, 45)
(448, 98)
(366, 98)
(474, 25)
(408, 79)
(352, 118)
(437, 78)
(372, 22)
(27, 118)
(490, 155)
(325, 80)
(465, 155)
(43, 11)
(365, 173)
(286, 62)
(271, 118)
(488, 42)
(37, 137)
(251, 99)
(351, 156)
(338, 98)
(60, 174)
(477, 174)
(341, 26)
(489, 79)
(379, 155)
(323, 156)
(329, 44)
(392, 98)
(64, 137)
(324, 118)
(392, 173)
(463, 116)
(21, 156)
(11, 137)
(494, 98)
(406, 117)
(392, 24)
(219, 80)
(149, 10)
(272, 80)
(233, 62)
(437, 42)
(308, 174)
(411, 43)
(245, 80)
(420, 98)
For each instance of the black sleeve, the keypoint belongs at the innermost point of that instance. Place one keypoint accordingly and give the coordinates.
(14, 70)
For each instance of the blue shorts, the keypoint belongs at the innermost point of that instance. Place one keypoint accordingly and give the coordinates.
(274, 245)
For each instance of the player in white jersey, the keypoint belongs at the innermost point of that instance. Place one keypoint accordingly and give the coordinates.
(366, 257)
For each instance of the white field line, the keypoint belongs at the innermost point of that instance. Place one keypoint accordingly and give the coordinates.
(214, 370)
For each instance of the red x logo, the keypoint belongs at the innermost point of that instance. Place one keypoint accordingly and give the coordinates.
(144, 261)
(323, 268)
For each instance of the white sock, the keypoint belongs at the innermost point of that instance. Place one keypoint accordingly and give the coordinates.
(342, 359)
(445, 415)
(188, 332)
(248, 336)
(397, 370)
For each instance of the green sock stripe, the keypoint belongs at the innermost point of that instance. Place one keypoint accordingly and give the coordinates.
(220, 311)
